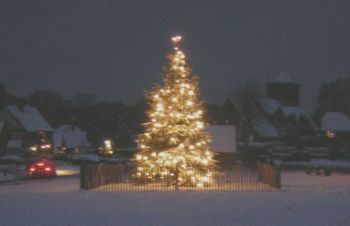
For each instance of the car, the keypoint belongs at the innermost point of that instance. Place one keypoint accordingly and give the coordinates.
(41, 168)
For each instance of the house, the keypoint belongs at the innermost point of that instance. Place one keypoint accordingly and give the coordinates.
(336, 126)
(26, 129)
(284, 90)
(70, 137)
(223, 142)
(281, 111)
(287, 119)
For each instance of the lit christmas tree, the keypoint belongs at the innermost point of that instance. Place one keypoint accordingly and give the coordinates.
(174, 145)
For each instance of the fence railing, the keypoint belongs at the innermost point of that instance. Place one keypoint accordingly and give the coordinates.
(236, 178)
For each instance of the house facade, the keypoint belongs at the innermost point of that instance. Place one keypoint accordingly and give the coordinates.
(25, 129)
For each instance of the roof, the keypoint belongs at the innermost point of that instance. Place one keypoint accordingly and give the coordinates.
(283, 77)
(223, 138)
(269, 105)
(30, 118)
(265, 128)
(71, 136)
(293, 111)
(336, 121)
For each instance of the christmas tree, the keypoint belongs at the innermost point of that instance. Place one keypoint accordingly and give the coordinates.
(174, 144)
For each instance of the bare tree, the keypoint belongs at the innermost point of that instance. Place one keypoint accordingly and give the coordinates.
(246, 101)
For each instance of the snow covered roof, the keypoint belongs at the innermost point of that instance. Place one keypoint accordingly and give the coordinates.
(223, 138)
(12, 157)
(30, 118)
(283, 77)
(293, 111)
(269, 105)
(336, 121)
(71, 136)
(265, 128)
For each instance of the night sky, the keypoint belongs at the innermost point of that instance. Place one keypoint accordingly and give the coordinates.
(115, 49)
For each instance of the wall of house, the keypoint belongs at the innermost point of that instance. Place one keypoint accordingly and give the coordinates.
(286, 93)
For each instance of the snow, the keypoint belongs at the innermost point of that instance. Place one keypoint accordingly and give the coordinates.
(269, 105)
(72, 136)
(304, 200)
(14, 158)
(223, 138)
(6, 177)
(87, 157)
(283, 77)
(336, 121)
(294, 111)
(30, 118)
(265, 128)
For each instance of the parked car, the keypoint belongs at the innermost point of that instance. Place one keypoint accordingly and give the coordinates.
(41, 168)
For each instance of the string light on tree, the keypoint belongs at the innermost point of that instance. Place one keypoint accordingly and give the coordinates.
(174, 144)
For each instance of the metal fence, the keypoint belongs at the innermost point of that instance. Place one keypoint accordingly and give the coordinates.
(105, 177)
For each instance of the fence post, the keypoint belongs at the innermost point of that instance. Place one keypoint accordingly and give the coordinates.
(177, 178)
(278, 177)
(83, 176)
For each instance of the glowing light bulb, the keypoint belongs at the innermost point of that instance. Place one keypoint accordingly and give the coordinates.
(189, 103)
(176, 39)
(200, 125)
(160, 107)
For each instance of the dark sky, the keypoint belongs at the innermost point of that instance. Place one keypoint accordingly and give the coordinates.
(115, 49)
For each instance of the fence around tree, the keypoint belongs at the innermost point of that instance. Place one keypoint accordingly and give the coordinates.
(119, 177)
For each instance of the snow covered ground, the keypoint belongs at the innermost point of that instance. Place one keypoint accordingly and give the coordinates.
(332, 164)
(6, 177)
(66, 169)
(303, 200)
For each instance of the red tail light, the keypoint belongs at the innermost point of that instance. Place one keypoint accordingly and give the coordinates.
(40, 164)
(31, 169)
(47, 169)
